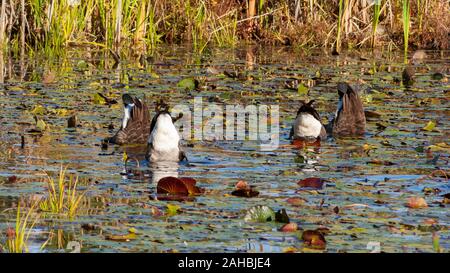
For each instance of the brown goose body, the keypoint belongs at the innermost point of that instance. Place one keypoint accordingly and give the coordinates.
(137, 129)
(350, 119)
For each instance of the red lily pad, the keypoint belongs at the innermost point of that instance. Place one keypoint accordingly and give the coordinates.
(244, 190)
(171, 185)
(296, 201)
(10, 233)
(416, 203)
(312, 182)
(290, 227)
(12, 179)
(177, 198)
(241, 185)
(190, 184)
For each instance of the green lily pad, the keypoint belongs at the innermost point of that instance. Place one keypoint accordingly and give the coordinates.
(39, 110)
(41, 125)
(82, 65)
(302, 89)
(99, 99)
(430, 126)
(260, 214)
(188, 84)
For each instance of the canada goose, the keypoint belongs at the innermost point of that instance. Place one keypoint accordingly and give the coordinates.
(135, 128)
(307, 125)
(349, 119)
(164, 140)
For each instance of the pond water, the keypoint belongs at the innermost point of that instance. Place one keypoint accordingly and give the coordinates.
(369, 179)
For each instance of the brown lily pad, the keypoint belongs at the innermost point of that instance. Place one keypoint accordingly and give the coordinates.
(121, 238)
(314, 239)
(312, 182)
(372, 114)
(244, 190)
(296, 201)
(190, 184)
(381, 162)
(245, 193)
(172, 185)
(301, 143)
(446, 199)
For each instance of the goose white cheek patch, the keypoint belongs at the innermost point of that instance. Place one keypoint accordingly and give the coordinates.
(127, 115)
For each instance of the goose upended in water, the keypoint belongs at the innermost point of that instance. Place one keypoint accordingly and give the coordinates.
(349, 119)
(307, 125)
(135, 128)
(164, 140)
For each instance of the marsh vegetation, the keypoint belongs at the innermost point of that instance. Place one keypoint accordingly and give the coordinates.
(65, 64)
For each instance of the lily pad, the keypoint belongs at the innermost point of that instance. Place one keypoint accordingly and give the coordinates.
(302, 89)
(260, 214)
(430, 126)
(188, 84)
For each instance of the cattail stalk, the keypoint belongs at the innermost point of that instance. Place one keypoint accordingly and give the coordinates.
(2, 24)
(118, 27)
(22, 28)
(251, 10)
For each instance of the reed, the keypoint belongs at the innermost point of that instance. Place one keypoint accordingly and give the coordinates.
(53, 25)
(339, 25)
(63, 195)
(3, 20)
(375, 20)
(225, 33)
(17, 238)
(118, 24)
(153, 36)
(420, 10)
(406, 23)
(139, 33)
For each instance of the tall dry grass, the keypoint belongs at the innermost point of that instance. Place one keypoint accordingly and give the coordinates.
(33, 25)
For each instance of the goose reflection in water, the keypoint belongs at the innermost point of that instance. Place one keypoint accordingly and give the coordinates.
(163, 169)
(153, 173)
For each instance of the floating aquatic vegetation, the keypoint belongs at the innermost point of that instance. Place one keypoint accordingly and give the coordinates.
(260, 214)
(63, 195)
(314, 239)
(17, 237)
(311, 182)
(242, 189)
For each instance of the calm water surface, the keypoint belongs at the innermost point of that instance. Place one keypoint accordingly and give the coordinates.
(371, 197)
